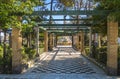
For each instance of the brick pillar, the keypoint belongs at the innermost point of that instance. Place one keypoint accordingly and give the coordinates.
(16, 51)
(112, 48)
(45, 41)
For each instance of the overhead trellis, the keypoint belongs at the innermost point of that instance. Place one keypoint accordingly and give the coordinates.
(76, 23)
(61, 25)
(72, 12)
(67, 19)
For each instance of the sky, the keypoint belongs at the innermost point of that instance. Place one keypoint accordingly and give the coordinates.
(57, 16)
(47, 7)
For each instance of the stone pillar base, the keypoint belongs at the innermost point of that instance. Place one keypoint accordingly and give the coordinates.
(17, 69)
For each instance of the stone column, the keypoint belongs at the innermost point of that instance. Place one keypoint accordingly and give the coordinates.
(55, 40)
(45, 41)
(72, 40)
(99, 40)
(112, 49)
(90, 40)
(16, 51)
(78, 41)
(82, 42)
(51, 41)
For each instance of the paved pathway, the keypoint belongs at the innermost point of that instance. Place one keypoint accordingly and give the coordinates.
(62, 63)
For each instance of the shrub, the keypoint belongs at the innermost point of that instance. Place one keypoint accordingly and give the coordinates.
(30, 52)
(87, 51)
(24, 55)
(102, 57)
(7, 62)
(1, 51)
(119, 60)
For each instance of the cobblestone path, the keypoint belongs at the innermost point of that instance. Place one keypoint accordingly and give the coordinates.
(62, 63)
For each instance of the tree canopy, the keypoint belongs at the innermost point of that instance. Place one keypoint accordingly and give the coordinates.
(112, 5)
(114, 8)
(11, 9)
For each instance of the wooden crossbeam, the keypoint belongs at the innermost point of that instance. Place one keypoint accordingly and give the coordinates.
(62, 25)
(72, 12)
(66, 19)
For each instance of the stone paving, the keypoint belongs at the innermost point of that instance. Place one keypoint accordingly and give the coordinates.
(64, 60)
(62, 63)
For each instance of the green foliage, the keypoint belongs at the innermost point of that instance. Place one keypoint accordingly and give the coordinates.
(100, 54)
(113, 6)
(87, 51)
(1, 51)
(24, 55)
(10, 10)
(28, 53)
(8, 61)
(1, 54)
(67, 3)
(102, 57)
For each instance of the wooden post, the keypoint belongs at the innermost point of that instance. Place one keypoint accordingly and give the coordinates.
(112, 49)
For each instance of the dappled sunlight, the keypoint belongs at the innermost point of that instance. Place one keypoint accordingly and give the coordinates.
(61, 61)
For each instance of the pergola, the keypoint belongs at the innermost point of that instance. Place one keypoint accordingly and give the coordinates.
(78, 31)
